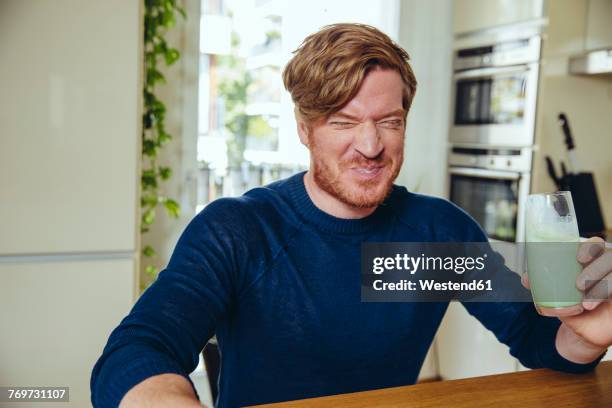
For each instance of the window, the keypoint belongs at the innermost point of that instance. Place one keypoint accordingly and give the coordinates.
(246, 127)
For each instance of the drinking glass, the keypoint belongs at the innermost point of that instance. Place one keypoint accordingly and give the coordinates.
(552, 241)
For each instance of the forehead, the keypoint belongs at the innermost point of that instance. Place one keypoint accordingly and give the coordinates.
(380, 92)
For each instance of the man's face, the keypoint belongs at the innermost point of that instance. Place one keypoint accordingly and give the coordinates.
(357, 153)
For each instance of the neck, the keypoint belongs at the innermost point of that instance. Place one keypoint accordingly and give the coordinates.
(330, 204)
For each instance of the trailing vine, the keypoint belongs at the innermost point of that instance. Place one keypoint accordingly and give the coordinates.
(159, 16)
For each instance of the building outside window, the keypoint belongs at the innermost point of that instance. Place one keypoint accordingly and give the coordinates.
(247, 132)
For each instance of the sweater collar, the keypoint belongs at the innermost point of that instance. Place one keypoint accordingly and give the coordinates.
(303, 204)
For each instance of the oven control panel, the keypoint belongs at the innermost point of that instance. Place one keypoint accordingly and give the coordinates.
(508, 159)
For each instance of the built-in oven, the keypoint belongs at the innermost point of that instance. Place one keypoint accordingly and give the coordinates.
(492, 184)
(495, 89)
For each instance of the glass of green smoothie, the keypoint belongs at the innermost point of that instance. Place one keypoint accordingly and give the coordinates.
(552, 241)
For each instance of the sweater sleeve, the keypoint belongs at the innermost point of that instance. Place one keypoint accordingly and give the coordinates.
(530, 336)
(171, 322)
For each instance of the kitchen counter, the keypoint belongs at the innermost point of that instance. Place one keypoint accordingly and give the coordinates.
(534, 388)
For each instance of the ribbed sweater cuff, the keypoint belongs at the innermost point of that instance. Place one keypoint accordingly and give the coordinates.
(550, 357)
(124, 375)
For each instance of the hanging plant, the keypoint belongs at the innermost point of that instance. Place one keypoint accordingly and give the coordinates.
(160, 15)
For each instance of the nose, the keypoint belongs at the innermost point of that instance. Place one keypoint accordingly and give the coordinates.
(368, 142)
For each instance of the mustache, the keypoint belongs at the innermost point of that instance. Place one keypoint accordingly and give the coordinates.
(363, 162)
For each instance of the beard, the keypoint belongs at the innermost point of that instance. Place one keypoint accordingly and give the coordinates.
(355, 193)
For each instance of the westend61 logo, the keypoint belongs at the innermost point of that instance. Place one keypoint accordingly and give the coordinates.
(435, 271)
(413, 264)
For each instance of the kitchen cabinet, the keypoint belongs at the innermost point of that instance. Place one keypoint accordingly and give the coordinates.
(599, 25)
(466, 349)
(471, 15)
(572, 26)
(429, 369)
(70, 127)
(70, 153)
(586, 100)
(56, 316)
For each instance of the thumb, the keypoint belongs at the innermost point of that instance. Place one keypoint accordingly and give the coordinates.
(525, 280)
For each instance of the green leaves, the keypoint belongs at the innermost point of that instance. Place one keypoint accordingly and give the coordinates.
(160, 46)
(160, 15)
(148, 251)
(148, 200)
(163, 137)
(151, 271)
(181, 12)
(148, 179)
(149, 148)
(172, 207)
(166, 18)
(165, 173)
(155, 77)
(172, 55)
(149, 216)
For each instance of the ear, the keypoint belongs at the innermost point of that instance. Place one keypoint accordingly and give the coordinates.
(303, 132)
(302, 129)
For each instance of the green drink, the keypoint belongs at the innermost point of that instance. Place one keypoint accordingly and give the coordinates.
(552, 245)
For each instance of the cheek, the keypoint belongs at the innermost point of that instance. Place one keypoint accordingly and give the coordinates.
(335, 148)
(395, 146)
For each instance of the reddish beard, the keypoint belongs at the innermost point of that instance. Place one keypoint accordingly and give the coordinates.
(366, 193)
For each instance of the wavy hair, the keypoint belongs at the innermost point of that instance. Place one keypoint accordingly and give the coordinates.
(328, 68)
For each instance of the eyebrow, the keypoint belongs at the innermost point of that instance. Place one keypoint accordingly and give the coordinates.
(397, 112)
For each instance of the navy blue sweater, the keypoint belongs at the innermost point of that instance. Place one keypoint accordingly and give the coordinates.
(278, 281)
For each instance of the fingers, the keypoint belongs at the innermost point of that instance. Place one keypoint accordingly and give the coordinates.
(595, 272)
(595, 279)
(525, 280)
(590, 304)
(590, 249)
(599, 292)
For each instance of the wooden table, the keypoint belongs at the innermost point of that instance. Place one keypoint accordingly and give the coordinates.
(526, 389)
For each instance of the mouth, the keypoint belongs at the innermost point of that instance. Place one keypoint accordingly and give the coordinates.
(367, 172)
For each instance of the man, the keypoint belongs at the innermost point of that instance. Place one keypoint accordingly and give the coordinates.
(275, 273)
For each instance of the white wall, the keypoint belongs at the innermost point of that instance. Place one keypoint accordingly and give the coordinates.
(425, 32)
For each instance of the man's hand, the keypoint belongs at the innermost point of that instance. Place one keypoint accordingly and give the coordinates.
(584, 337)
(164, 390)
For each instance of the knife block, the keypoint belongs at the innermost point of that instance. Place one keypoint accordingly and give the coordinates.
(586, 203)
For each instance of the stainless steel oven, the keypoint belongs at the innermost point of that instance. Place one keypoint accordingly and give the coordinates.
(492, 184)
(495, 89)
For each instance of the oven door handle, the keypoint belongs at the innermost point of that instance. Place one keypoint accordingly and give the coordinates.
(492, 174)
(489, 72)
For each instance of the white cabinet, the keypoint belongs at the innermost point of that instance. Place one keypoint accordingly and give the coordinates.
(470, 15)
(69, 164)
(55, 319)
(599, 25)
(466, 349)
(70, 119)
(429, 370)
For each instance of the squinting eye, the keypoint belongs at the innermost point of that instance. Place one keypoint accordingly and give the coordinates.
(396, 123)
(341, 124)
